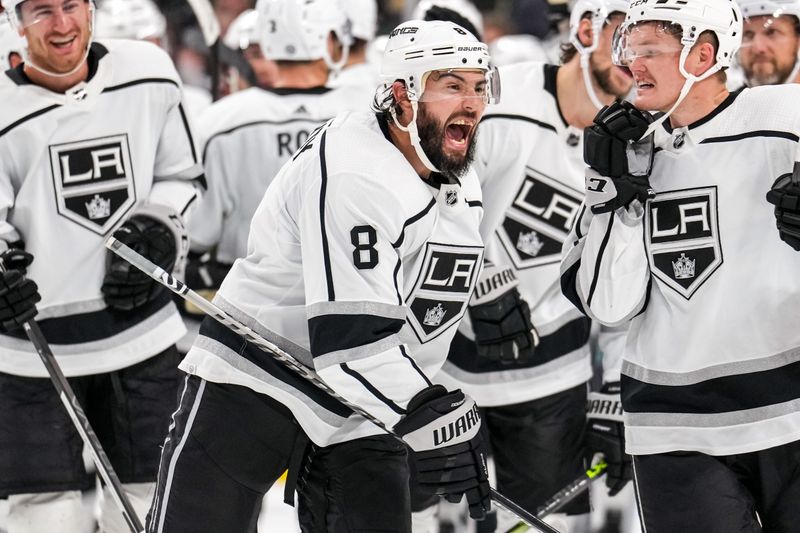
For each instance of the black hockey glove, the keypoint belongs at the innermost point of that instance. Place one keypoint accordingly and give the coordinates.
(125, 287)
(18, 294)
(501, 319)
(606, 435)
(611, 147)
(785, 196)
(204, 275)
(443, 431)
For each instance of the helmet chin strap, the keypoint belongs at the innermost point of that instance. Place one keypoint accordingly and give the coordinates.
(587, 80)
(413, 135)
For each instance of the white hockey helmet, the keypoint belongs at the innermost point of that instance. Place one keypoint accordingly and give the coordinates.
(130, 19)
(10, 43)
(243, 31)
(721, 17)
(770, 8)
(297, 30)
(363, 16)
(465, 8)
(415, 49)
(598, 11)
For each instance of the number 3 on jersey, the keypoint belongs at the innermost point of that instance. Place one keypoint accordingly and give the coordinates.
(364, 238)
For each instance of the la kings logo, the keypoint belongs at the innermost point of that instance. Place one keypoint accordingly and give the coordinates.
(443, 287)
(93, 180)
(683, 238)
(538, 220)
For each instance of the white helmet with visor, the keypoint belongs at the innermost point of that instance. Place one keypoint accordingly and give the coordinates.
(417, 48)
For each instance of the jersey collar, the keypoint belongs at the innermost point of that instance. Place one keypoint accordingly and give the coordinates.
(96, 52)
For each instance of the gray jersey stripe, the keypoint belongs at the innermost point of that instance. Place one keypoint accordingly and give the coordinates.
(356, 308)
(715, 420)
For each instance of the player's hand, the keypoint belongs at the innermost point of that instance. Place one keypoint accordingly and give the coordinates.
(125, 287)
(785, 196)
(501, 319)
(621, 161)
(18, 294)
(606, 436)
(448, 462)
(205, 276)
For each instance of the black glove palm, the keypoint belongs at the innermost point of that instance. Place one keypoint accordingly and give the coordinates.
(606, 436)
(125, 287)
(443, 431)
(785, 196)
(613, 149)
(18, 294)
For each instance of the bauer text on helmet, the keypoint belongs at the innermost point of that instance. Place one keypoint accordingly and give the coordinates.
(770, 41)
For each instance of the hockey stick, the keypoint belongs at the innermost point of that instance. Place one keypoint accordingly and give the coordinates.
(179, 288)
(81, 423)
(565, 495)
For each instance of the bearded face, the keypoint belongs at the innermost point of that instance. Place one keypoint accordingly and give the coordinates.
(448, 142)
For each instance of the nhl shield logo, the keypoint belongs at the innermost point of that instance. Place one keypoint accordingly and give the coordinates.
(93, 180)
(442, 289)
(683, 238)
(538, 220)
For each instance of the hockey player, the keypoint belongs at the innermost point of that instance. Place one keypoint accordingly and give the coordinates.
(363, 18)
(529, 161)
(770, 42)
(248, 136)
(361, 259)
(676, 236)
(94, 140)
(243, 37)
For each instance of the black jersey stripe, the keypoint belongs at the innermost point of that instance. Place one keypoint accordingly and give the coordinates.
(751, 134)
(569, 287)
(270, 365)
(414, 364)
(600, 254)
(27, 118)
(332, 333)
(474, 203)
(372, 389)
(415, 218)
(188, 132)
(539, 123)
(323, 187)
(95, 325)
(570, 337)
(719, 395)
(140, 81)
(396, 282)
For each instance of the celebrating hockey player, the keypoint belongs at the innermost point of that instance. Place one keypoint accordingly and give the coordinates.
(770, 42)
(94, 140)
(530, 164)
(248, 136)
(676, 236)
(361, 259)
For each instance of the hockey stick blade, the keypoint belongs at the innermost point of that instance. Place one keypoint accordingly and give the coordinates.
(565, 495)
(81, 423)
(206, 20)
(179, 288)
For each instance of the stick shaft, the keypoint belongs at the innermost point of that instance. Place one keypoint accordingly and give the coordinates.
(179, 288)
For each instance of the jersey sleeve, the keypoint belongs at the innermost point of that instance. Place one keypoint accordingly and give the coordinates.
(350, 232)
(8, 233)
(604, 268)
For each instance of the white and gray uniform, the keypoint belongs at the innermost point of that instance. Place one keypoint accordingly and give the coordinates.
(247, 137)
(530, 164)
(83, 162)
(359, 269)
(712, 358)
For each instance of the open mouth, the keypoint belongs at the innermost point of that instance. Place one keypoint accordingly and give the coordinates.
(457, 133)
(63, 43)
(644, 85)
(625, 71)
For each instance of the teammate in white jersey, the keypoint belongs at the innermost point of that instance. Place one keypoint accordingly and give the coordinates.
(94, 140)
(361, 259)
(530, 164)
(770, 42)
(363, 17)
(676, 236)
(248, 136)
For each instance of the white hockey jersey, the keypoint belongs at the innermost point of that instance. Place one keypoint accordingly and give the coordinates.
(712, 358)
(364, 75)
(247, 137)
(530, 165)
(356, 267)
(72, 167)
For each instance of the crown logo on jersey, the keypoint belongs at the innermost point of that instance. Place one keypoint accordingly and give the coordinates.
(98, 207)
(529, 243)
(683, 267)
(434, 316)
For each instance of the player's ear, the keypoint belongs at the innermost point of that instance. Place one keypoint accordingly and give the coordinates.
(400, 95)
(585, 33)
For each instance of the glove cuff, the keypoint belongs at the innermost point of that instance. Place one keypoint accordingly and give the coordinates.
(606, 404)
(494, 282)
